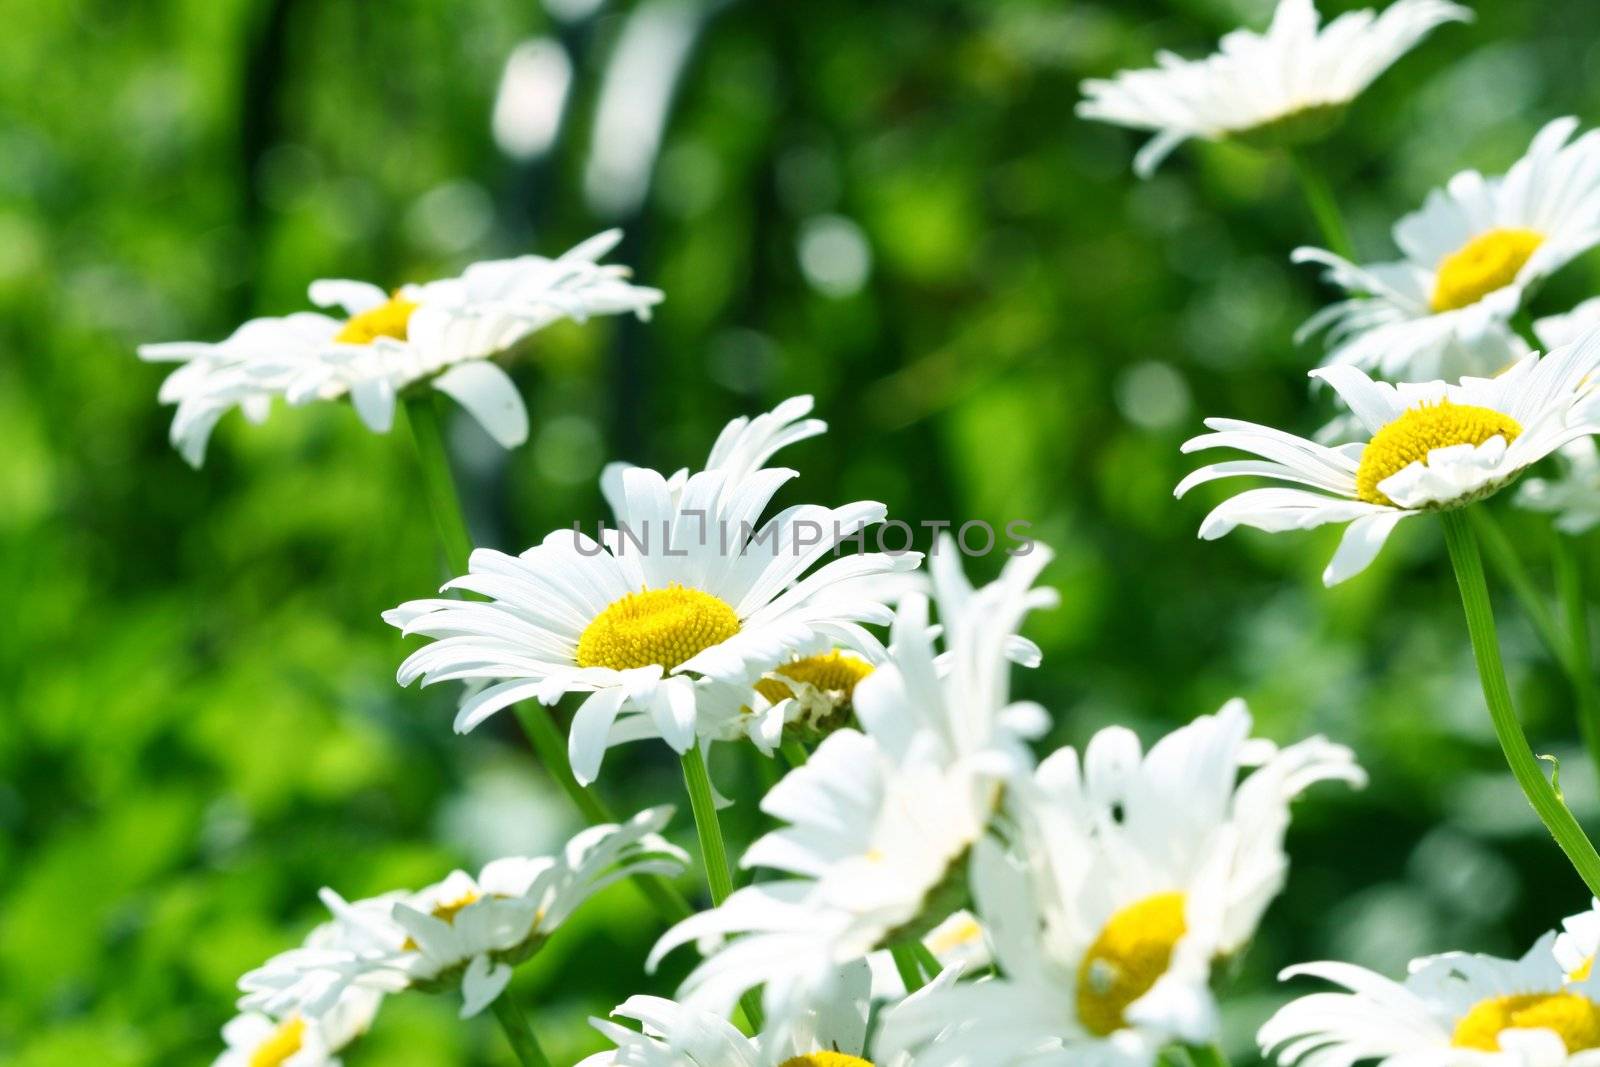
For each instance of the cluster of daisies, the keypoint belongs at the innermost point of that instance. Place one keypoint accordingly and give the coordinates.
(928, 892)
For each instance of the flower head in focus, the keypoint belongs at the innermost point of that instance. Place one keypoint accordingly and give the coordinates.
(1454, 1010)
(1286, 86)
(463, 932)
(380, 344)
(1428, 447)
(877, 825)
(1473, 254)
(1127, 877)
(686, 593)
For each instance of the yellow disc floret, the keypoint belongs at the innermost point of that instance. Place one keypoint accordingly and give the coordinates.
(826, 1059)
(1412, 436)
(1582, 971)
(284, 1043)
(389, 319)
(1488, 262)
(656, 627)
(1576, 1019)
(1131, 953)
(832, 672)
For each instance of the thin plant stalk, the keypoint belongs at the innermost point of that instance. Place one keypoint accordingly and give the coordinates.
(794, 752)
(444, 500)
(1579, 663)
(1324, 208)
(910, 968)
(518, 1033)
(1525, 768)
(1569, 647)
(713, 852)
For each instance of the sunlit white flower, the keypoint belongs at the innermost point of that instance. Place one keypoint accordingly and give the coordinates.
(684, 593)
(1455, 1010)
(379, 344)
(255, 1040)
(1575, 947)
(1286, 86)
(462, 932)
(878, 823)
(1473, 253)
(1127, 878)
(1429, 447)
(831, 1033)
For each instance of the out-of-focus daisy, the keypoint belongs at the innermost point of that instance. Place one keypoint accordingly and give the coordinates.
(1455, 1010)
(380, 344)
(685, 593)
(831, 1033)
(1129, 877)
(1573, 495)
(1284, 87)
(462, 932)
(1473, 253)
(255, 1040)
(878, 823)
(1430, 447)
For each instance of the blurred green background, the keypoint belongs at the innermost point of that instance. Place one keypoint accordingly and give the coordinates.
(890, 206)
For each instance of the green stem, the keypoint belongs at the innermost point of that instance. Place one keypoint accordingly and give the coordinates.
(1324, 208)
(1579, 661)
(930, 963)
(1206, 1055)
(422, 414)
(1524, 765)
(905, 961)
(794, 752)
(518, 1032)
(1570, 649)
(713, 853)
(1522, 322)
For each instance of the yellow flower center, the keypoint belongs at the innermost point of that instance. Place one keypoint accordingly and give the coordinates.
(1130, 954)
(1575, 1018)
(388, 319)
(447, 911)
(1488, 262)
(284, 1042)
(826, 1059)
(660, 627)
(831, 672)
(1582, 971)
(1412, 436)
(964, 932)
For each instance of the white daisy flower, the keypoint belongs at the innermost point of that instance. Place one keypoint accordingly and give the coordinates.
(1284, 87)
(1455, 1010)
(878, 824)
(832, 1033)
(255, 1040)
(380, 344)
(1127, 879)
(1575, 947)
(1473, 253)
(462, 932)
(1429, 447)
(683, 594)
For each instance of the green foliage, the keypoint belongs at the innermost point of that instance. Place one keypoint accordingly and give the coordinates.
(198, 720)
